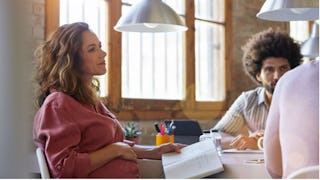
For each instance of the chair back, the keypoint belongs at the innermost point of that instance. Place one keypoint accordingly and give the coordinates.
(43, 166)
(187, 131)
(310, 172)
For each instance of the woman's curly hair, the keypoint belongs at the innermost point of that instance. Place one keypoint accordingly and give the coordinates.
(58, 66)
(265, 44)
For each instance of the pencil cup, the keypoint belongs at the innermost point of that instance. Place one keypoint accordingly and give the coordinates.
(161, 139)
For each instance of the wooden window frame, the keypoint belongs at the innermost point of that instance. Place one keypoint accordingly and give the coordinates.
(147, 109)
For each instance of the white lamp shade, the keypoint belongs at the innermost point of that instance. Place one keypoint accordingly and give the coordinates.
(289, 10)
(310, 47)
(150, 16)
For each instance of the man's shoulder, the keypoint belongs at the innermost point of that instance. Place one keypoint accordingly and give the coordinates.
(250, 97)
(253, 92)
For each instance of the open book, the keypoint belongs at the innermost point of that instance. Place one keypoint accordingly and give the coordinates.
(197, 160)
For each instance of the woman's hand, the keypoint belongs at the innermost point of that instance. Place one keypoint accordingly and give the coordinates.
(125, 151)
(168, 147)
(110, 152)
(155, 152)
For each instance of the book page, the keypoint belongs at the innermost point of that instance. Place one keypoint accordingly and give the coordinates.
(188, 152)
(195, 161)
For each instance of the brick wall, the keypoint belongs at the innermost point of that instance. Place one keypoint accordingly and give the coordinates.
(38, 21)
(244, 24)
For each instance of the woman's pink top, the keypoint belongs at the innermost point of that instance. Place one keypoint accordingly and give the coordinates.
(67, 131)
(291, 139)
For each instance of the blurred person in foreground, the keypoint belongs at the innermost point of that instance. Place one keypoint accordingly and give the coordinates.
(291, 139)
(267, 56)
(80, 137)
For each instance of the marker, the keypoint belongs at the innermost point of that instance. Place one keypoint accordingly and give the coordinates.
(156, 126)
(171, 124)
(163, 129)
(173, 128)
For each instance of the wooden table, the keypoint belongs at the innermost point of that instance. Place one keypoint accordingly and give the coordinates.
(239, 164)
(243, 165)
(236, 165)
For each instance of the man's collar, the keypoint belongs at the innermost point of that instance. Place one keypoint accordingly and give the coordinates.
(262, 97)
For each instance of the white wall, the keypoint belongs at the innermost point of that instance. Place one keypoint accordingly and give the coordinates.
(16, 102)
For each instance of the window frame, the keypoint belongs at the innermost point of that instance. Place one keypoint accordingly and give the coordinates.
(149, 109)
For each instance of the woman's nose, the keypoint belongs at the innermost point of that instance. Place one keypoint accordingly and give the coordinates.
(104, 54)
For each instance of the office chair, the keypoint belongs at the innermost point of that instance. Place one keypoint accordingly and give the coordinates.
(187, 131)
(311, 172)
(44, 171)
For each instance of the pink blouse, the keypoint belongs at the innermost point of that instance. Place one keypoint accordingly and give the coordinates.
(291, 139)
(67, 131)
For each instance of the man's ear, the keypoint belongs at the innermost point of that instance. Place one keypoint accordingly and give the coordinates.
(258, 77)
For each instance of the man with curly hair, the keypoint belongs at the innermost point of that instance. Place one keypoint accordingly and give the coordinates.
(266, 57)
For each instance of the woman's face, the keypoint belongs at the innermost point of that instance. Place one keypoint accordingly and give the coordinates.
(92, 56)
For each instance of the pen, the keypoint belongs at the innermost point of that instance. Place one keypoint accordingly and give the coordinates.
(256, 161)
(171, 124)
(169, 130)
(156, 126)
(172, 129)
(162, 129)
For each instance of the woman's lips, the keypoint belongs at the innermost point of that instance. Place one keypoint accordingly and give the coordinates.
(102, 63)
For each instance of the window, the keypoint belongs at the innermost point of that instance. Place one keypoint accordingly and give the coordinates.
(94, 13)
(300, 31)
(153, 63)
(159, 75)
(210, 66)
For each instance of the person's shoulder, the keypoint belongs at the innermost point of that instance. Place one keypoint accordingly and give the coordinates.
(305, 70)
(307, 67)
(250, 96)
(314, 64)
(253, 92)
(58, 98)
(57, 95)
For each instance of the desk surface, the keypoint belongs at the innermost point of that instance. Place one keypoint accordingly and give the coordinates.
(235, 165)
(242, 165)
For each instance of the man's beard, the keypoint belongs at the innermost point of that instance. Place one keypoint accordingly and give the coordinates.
(270, 88)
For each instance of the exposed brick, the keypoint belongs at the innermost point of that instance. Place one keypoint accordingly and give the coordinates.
(38, 9)
(38, 33)
(38, 21)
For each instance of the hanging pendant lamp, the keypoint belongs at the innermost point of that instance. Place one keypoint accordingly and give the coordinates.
(289, 10)
(150, 16)
(310, 47)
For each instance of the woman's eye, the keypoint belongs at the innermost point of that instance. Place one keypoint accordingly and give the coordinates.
(91, 49)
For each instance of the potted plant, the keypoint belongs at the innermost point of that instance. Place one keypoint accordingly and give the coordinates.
(131, 131)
